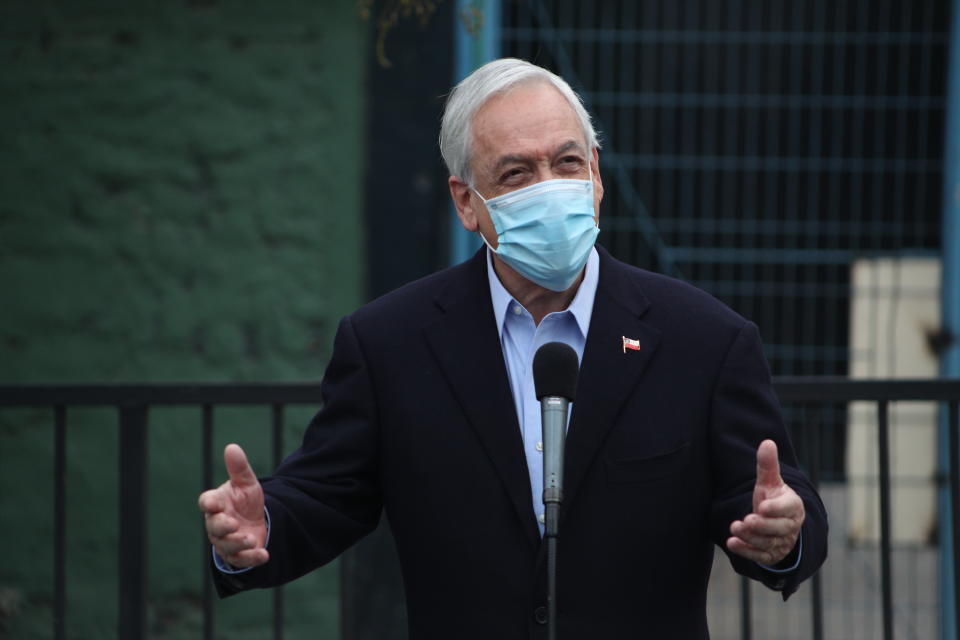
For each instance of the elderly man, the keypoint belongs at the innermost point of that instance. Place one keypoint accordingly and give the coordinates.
(675, 444)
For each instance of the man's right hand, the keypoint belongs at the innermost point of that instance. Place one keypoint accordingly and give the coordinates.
(233, 513)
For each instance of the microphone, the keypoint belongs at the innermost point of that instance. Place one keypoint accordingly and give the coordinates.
(555, 369)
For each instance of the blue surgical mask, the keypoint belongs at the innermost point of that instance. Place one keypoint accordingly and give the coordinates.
(545, 231)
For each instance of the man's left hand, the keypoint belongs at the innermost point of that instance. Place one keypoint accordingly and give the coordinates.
(769, 534)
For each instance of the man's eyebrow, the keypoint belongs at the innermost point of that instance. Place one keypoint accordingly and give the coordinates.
(520, 159)
(572, 144)
(509, 159)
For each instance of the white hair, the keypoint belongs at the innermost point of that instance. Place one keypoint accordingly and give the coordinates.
(476, 89)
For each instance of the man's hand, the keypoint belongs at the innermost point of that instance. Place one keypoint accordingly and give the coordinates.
(769, 534)
(233, 513)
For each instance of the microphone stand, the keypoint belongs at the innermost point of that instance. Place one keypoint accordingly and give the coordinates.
(553, 496)
(550, 534)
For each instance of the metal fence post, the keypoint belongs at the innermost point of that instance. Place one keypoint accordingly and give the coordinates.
(953, 425)
(950, 358)
(206, 445)
(883, 434)
(813, 459)
(60, 522)
(476, 29)
(133, 522)
(746, 617)
(277, 447)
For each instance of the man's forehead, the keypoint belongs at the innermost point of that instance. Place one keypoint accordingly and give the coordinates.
(522, 102)
(527, 119)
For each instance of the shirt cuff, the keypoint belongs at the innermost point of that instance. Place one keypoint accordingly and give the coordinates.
(795, 564)
(225, 567)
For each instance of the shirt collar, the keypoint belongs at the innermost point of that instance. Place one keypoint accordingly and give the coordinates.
(581, 306)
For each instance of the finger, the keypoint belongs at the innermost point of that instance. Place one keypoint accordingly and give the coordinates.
(249, 558)
(787, 505)
(758, 543)
(233, 544)
(220, 524)
(739, 529)
(754, 525)
(241, 474)
(741, 548)
(768, 465)
(762, 542)
(211, 501)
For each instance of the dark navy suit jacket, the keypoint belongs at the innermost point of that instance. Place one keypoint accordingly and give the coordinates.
(418, 422)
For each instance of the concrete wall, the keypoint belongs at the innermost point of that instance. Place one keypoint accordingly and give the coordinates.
(895, 305)
(180, 199)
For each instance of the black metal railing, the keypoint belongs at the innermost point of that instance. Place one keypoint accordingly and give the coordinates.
(815, 393)
(134, 401)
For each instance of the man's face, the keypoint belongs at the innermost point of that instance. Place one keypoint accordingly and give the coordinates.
(520, 138)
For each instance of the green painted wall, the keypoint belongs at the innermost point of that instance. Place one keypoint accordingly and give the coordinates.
(180, 199)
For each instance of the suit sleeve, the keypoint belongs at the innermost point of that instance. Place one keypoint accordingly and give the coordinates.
(326, 495)
(744, 412)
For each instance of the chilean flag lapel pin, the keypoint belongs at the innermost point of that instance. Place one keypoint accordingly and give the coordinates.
(631, 344)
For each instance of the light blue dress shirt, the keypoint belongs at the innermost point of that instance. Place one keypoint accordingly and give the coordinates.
(520, 338)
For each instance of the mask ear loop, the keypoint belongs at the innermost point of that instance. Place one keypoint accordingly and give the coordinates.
(593, 190)
(484, 201)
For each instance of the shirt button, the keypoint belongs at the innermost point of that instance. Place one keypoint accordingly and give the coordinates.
(542, 518)
(540, 615)
(517, 310)
(539, 446)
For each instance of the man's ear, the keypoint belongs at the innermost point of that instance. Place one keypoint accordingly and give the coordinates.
(460, 193)
(597, 180)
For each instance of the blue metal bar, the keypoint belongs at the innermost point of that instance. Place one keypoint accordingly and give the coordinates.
(928, 80)
(775, 164)
(476, 26)
(901, 130)
(839, 389)
(740, 193)
(696, 37)
(757, 226)
(813, 101)
(950, 359)
(762, 255)
(835, 291)
(770, 255)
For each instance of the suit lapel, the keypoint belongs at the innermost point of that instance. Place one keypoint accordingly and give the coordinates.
(608, 374)
(466, 342)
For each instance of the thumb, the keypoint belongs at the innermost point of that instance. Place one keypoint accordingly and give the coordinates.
(768, 465)
(241, 474)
